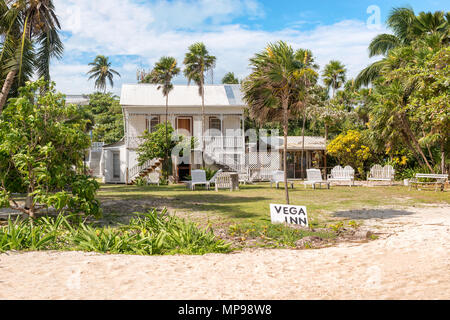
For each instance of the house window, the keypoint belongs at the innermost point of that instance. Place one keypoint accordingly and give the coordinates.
(151, 123)
(216, 125)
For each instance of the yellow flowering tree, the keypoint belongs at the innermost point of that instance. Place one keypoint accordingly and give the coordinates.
(349, 149)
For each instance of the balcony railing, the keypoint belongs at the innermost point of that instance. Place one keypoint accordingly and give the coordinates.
(212, 143)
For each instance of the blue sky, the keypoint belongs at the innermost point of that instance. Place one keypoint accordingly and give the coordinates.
(135, 33)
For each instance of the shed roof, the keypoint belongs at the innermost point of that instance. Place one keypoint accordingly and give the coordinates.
(147, 95)
(296, 142)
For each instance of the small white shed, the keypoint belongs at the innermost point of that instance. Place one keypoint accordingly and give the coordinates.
(113, 163)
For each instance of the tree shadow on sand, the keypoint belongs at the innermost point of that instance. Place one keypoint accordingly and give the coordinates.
(366, 214)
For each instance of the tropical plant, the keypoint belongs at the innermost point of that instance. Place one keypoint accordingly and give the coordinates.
(273, 88)
(162, 75)
(107, 117)
(43, 142)
(230, 78)
(198, 62)
(154, 145)
(334, 75)
(350, 149)
(406, 27)
(101, 71)
(151, 233)
(30, 39)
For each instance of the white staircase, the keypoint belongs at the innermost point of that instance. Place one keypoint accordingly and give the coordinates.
(141, 171)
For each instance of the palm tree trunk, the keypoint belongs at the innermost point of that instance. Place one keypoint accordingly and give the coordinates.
(285, 127)
(443, 156)
(415, 143)
(166, 173)
(325, 152)
(303, 142)
(6, 88)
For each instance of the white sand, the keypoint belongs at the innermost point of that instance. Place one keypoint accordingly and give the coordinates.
(411, 261)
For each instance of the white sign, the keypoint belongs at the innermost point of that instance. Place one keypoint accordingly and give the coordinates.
(281, 213)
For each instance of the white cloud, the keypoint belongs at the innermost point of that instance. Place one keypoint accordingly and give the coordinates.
(124, 27)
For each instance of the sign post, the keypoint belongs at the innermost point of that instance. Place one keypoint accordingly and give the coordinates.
(296, 215)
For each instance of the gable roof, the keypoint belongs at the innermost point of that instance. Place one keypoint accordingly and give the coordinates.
(181, 96)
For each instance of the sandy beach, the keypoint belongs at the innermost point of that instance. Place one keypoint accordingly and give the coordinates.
(410, 260)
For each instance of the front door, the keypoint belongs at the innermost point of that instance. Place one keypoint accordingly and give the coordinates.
(185, 125)
(116, 165)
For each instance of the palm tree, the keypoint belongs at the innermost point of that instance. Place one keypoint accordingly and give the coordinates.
(162, 74)
(271, 91)
(230, 78)
(101, 71)
(334, 75)
(334, 78)
(406, 28)
(197, 63)
(309, 79)
(29, 30)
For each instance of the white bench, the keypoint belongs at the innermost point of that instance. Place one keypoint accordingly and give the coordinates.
(342, 174)
(439, 180)
(379, 173)
(314, 176)
(278, 177)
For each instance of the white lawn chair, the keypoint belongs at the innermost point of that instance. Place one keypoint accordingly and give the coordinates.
(198, 178)
(314, 176)
(153, 178)
(214, 177)
(278, 177)
(342, 174)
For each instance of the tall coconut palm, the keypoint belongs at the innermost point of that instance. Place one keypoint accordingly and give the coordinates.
(406, 27)
(162, 75)
(271, 91)
(197, 63)
(230, 78)
(334, 75)
(101, 71)
(309, 80)
(29, 30)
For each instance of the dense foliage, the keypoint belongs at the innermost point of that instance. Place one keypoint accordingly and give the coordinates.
(42, 145)
(154, 145)
(152, 233)
(108, 117)
(349, 148)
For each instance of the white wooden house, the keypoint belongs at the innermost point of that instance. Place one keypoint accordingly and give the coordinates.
(222, 132)
(144, 106)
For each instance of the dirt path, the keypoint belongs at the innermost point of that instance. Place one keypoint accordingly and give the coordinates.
(410, 261)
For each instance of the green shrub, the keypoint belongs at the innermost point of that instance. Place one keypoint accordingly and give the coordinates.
(151, 233)
(277, 234)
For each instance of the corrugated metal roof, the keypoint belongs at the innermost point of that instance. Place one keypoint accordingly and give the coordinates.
(77, 99)
(296, 142)
(181, 96)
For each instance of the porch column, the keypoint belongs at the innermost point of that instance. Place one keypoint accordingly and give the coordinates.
(223, 135)
(243, 132)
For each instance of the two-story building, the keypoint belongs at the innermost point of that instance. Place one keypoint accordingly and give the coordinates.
(144, 107)
(219, 135)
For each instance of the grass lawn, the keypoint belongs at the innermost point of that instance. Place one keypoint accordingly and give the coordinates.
(251, 202)
(245, 213)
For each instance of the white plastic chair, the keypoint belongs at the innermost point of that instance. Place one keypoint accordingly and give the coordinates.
(314, 176)
(278, 177)
(198, 178)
